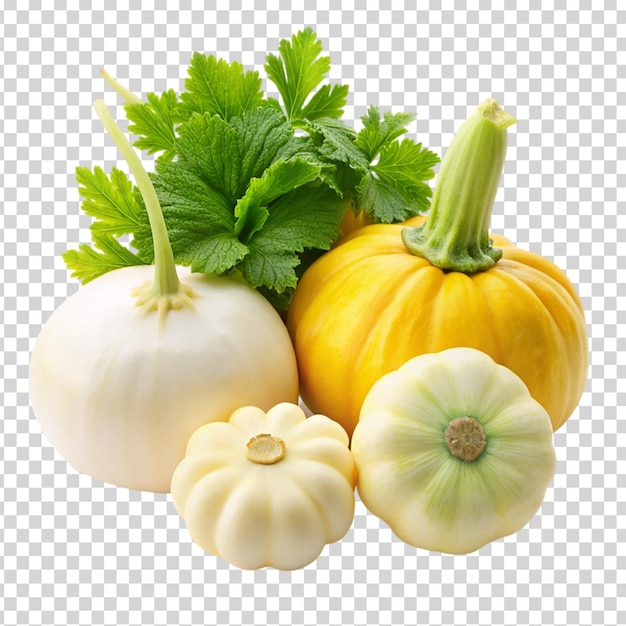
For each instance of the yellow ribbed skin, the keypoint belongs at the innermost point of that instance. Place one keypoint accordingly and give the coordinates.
(368, 306)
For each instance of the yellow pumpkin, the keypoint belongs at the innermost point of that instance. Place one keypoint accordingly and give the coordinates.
(390, 292)
(351, 222)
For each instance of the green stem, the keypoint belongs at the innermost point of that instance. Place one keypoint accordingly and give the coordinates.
(127, 94)
(455, 236)
(165, 278)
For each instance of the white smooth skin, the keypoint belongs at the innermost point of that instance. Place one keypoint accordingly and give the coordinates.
(276, 515)
(119, 390)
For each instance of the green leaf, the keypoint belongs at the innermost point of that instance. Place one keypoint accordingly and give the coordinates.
(263, 137)
(307, 217)
(376, 133)
(154, 122)
(107, 254)
(297, 71)
(385, 201)
(118, 209)
(247, 195)
(392, 187)
(110, 200)
(198, 218)
(278, 179)
(395, 190)
(328, 101)
(226, 156)
(208, 147)
(336, 143)
(219, 192)
(211, 252)
(305, 147)
(272, 103)
(219, 88)
(405, 164)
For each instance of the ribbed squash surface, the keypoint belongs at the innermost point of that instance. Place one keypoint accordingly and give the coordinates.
(368, 306)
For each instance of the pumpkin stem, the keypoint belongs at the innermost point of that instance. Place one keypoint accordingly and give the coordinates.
(455, 236)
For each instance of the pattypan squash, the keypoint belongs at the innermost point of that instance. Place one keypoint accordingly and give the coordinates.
(266, 489)
(390, 292)
(452, 452)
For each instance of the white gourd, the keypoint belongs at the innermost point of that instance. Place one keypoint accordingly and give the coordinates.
(118, 391)
(128, 367)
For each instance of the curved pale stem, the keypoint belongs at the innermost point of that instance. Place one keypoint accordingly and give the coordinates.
(166, 280)
(126, 93)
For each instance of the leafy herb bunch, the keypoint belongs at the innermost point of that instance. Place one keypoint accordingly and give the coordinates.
(250, 183)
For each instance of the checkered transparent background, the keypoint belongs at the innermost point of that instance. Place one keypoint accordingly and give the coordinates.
(75, 551)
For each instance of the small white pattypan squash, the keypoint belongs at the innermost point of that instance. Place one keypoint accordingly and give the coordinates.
(452, 452)
(266, 489)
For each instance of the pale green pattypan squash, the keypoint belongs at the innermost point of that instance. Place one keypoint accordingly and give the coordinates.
(452, 452)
